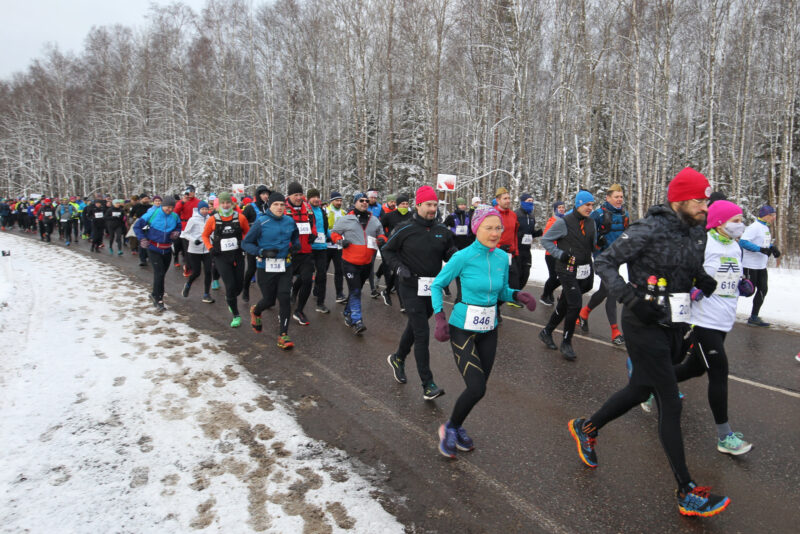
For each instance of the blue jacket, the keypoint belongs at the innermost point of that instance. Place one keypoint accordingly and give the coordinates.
(484, 280)
(271, 233)
(65, 209)
(161, 225)
(610, 222)
(376, 210)
(321, 220)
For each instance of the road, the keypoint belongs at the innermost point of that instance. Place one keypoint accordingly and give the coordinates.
(524, 475)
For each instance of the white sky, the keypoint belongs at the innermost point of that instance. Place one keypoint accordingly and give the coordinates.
(26, 26)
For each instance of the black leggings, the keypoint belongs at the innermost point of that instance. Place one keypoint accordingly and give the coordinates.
(708, 356)
(552, 280)
(569, 303)
(231, 268)
(303, 274)
(320, 260)
(653, 351)
(611, 304)
(474, 354)
(417, 333)
(335, 256)
(275, 285)
(196, 262)
(760, 281)
(115, 231)
(160, 263)
(248, 275)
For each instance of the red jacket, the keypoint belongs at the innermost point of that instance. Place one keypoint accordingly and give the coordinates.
(184, 209)
(510, 227)
(303, 215)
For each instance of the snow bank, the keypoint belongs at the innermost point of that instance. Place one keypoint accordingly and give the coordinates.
(116, 420)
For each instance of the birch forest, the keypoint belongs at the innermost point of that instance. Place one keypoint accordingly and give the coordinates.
(542, 96)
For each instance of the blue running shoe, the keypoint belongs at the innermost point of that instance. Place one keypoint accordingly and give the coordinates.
(700, 502)
(585, 442)
(447, 440)
(463, 441)
(215, 284)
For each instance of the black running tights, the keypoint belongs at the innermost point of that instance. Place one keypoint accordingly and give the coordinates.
(611, 304)
(710, 348)
(196, 262)
(231, 269)
(474, 354)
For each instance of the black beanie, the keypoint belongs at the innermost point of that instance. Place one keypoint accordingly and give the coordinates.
(402, 197)
(294, 187)
(275, 197)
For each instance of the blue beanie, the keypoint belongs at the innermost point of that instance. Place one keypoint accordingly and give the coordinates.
(357, 196)
(582, 198)
(766, 210)
(202, 204)
(335, 195)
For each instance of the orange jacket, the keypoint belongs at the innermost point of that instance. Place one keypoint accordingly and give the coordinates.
(510, 227)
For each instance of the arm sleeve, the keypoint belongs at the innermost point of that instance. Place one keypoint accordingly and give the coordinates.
(628, 246)
(506, 294)
(208, 229)
(244, 224)
(554, 233)
(448, 273)
(749, 245)
(137, 228)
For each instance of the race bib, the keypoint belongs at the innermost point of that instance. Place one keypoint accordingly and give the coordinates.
(680, 305)
(304, 228)
(320, 238)
(116, 214)
(461, 229)
(424, 286)
(48, 214)
(230, 243)
(727, 277)
(583, 271)
(98, 215)
(479, 318)
(275, 265)
(527, 239)
(372, 242)
(64, 218)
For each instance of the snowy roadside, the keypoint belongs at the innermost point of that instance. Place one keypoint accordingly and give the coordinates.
(116, 420)
(779, 306)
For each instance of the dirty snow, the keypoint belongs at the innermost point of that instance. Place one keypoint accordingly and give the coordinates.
(116, 420)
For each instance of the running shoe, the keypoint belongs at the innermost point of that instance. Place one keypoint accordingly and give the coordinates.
(430, 391)
(341, 299)
(177, 265)
(321, 308)
(398, 368)
(447, 441)
(301, 318)
(347, 320)
(187, 272)
(284, 342)
(387, 297)
(186, 287)
(375, 293)
(797, 357)
(358, 328)
(215, 284)
(647, 406)
(583, 323)
(236, 322)
(733, 444)
(160, 306)
(547, 339)
(584, 441)
(700, 502)
(119, 253)
(207, 299)
(255, 320)
(618, 340)
(567, 352)
(463, 441)
(757, 321)
(67, 243)
(547, 300)
(111, 251)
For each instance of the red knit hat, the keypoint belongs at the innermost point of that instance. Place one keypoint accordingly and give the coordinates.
(688, 184)
(425, 194)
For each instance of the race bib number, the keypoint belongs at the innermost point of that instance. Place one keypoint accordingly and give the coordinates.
(527, 239)
(320, 238)
(372, 242)
(680, 305)
(727, 277)
(98, 215)
(48, 214)
(461, 229)
(275, 265)
(116, 214)
(64, 218)
(230, 243)
(583, 271)
(424, 286)
(304, 228)
(479, 318)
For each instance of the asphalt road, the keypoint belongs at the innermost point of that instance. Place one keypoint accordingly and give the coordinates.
(525, 475)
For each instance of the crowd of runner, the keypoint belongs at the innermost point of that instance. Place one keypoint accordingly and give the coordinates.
(688, 262)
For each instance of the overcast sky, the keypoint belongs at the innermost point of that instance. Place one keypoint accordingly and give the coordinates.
(27, 25)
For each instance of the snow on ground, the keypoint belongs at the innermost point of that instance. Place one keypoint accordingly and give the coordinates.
(116, 420)
(779, 306)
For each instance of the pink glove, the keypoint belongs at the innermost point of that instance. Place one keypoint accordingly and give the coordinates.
(746, 287)
(526, 299)
(144, 243)
(442, 331)
(696, 295)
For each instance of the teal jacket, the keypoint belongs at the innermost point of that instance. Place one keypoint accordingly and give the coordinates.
(484, 280)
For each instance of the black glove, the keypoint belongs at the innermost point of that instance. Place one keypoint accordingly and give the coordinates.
(648, 312)
(345, 243)
(268, 253)
(295, 248)
(197, 242)
(765, 250)
(706, 284)
(775, 251)
(381, 241)
(403, 271)
(601, 241)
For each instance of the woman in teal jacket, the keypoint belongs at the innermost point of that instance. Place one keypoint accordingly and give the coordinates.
(472, 330)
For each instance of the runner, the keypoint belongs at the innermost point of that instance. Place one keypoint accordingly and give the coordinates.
(611, 220)
(5, 215)
(508, 241)
(222, 235)
(757, 245)
(552, 283)
(198, 255)
(458, 222)
(252, 211)
(302, 261)
(415, 253)
(114, 219)
(472, 328)
(65, 213)
(668, 242)
(270, 240)
(94, 215)
(336, 212)
(319, 250)
(526, 233)
(156, 231)
(374, 207)
(713, 318)
(136, 213)
(360, 235)
(46, 215)
(184, 208)
(571, 241)
(390, 221)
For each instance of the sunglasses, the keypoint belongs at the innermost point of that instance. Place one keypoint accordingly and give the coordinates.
(362, 200)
